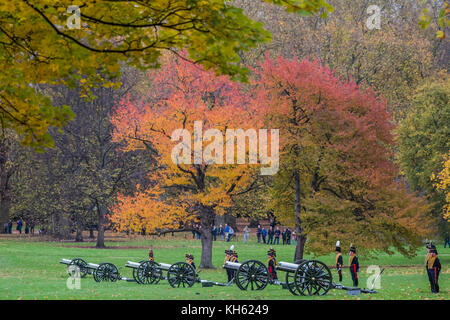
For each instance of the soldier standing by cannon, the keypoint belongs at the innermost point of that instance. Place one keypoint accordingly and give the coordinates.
(434, 268)
(427, 257)
(190, 259)
(339, 260)
(354, 265)
(150, 255)
(229, 271)
(272, 263)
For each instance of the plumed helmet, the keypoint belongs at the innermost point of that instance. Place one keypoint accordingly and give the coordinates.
(338, 246)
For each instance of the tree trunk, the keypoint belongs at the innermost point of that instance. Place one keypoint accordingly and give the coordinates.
(101, 210)
(80, 227)
(301, 237)
(5, 205)
(207, 216)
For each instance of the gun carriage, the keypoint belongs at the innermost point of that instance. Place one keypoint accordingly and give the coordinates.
(309, 277)
(304, 278)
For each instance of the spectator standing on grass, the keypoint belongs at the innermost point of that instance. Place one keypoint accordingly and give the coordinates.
(447, 241)
(10, 226)
(221, 232)
(214, 232)
(226, 230)
(270, 233)
(230, 234)
(258, 233)
(5, 227)
(277, 236)
(198, 231)
(294, 238)
(246, 234)
(288, 236)
(27, 230)
(19, 226)
(283, 235)
(263, 234)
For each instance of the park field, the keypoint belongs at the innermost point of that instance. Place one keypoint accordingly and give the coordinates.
(31, 270)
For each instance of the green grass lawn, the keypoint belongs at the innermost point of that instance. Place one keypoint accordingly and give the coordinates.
(31, 270)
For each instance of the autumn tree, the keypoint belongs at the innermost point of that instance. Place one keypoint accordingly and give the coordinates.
(393, 60)
(42, 42)
(197, 189)
(336, 178)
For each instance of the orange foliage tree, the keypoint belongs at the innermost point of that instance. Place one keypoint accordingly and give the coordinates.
(336, 179)
(184, 96)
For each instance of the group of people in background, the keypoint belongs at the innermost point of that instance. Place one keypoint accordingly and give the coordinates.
(7, 227)
(273, 235)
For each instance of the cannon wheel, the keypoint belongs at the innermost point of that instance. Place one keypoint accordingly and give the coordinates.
(181, 274)
(312, 278)
(149, 272)
(253, 274)
(106, 272)
(290, 283)
(80, 263)
(135, 270)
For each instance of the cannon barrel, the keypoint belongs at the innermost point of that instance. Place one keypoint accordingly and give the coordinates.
(65, 261)
(286, 266)
(92, 265)
(232, 265)
(131, 264)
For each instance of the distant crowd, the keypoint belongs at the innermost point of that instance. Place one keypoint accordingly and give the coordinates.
(270, 236)
(7, 227)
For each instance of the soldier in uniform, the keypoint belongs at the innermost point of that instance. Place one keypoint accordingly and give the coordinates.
(339, 260)
(190, 259)
(233, 258)
(353, 265)
(227, 258)
(272, 263)
(427, 257)
(150, 255)
(434, 268)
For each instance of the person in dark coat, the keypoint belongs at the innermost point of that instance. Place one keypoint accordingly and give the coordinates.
(214, 233)
(19, 226)
(283, 236)
(258, 233)
(277, 234)
(270, 234)
(434, 268)
(339, 260)
(263, 234)
(10, 226)
(354, 265)
(288, 236)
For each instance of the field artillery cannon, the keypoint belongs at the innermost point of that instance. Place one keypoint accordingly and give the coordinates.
(250, 274)
(101, 272)
(179, 274)
(309, 277)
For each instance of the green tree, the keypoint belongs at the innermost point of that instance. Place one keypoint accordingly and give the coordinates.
(37, 45)
(423, 137)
